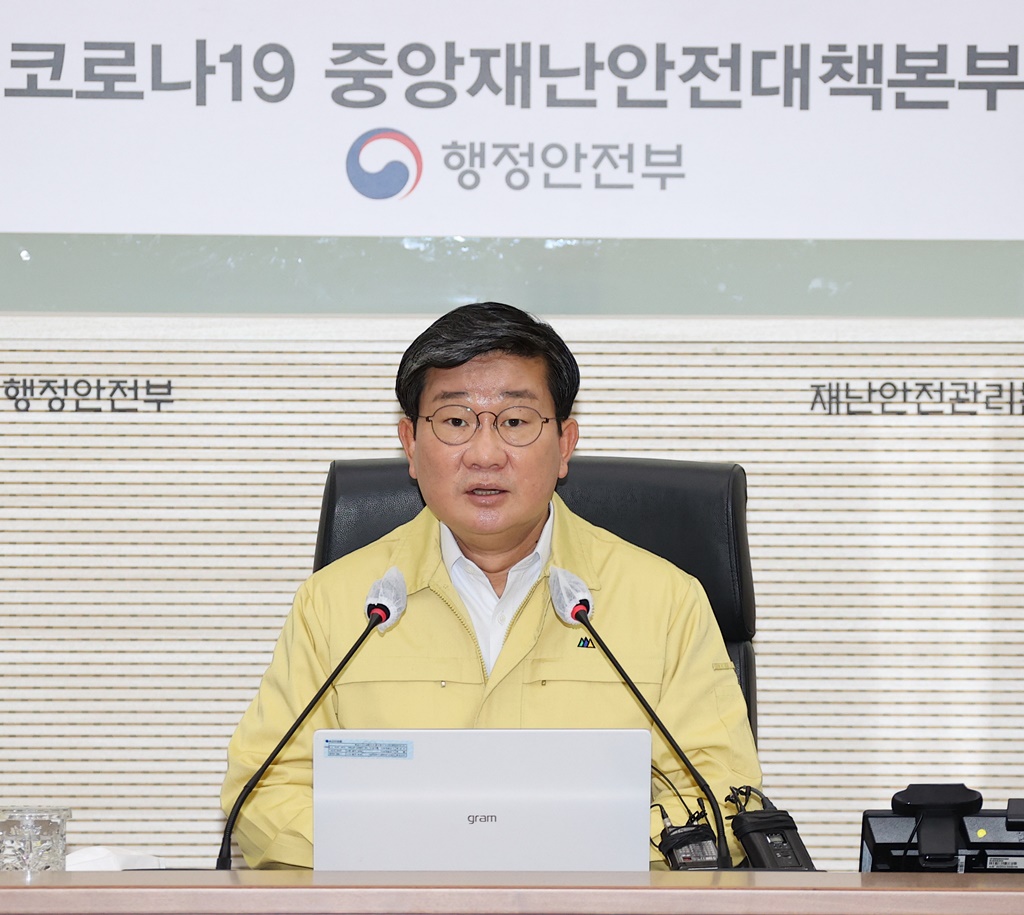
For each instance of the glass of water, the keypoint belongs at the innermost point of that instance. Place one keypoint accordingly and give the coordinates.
(33, 838)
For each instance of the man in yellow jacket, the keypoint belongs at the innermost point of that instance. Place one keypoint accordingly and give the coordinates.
(487, 392)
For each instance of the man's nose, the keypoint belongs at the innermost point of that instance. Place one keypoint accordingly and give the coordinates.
(486, 446)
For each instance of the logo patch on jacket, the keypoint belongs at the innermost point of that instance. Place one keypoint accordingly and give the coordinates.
(586, 643)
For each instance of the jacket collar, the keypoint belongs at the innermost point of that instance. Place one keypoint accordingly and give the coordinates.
(418, 553)
(418, 556)
(568, 551)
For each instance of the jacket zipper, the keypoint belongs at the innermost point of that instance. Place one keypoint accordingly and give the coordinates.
(467, 627)
(472, 633)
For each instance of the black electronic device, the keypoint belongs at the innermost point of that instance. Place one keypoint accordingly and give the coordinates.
(943, 828)
(692, 846)
(689, 847)
(769, 836)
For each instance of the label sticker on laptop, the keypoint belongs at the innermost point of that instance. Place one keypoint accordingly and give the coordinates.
(367, 749)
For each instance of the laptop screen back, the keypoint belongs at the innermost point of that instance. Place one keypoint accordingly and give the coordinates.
(481, 800)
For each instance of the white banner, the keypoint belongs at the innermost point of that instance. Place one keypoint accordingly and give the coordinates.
(847, 119)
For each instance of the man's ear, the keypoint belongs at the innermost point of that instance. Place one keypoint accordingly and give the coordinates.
(407, 436)
(567, 444)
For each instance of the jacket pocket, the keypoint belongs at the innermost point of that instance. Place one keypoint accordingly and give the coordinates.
(412, 692)
(584, 691)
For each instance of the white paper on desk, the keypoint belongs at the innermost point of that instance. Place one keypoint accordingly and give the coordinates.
(105, 858)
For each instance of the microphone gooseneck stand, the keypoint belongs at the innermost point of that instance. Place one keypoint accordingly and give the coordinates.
(378, 614)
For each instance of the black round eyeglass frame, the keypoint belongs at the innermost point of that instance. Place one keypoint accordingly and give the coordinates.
(498, 427)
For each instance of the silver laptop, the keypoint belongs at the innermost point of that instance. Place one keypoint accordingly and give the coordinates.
(481, 800)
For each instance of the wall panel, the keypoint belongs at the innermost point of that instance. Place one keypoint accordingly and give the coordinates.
(150, 556)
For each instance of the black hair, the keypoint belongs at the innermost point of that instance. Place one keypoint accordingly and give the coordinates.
(487, 327)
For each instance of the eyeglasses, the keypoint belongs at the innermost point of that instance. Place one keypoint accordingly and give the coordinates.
(456, 424)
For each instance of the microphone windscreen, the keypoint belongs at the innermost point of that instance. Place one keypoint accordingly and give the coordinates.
(567, 591)
(390, 591)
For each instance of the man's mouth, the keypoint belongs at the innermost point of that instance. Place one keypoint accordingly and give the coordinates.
(486, 492)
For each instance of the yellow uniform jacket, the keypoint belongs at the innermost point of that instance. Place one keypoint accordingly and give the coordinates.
(427, 671)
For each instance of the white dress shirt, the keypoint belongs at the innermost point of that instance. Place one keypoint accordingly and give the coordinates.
(490, 614)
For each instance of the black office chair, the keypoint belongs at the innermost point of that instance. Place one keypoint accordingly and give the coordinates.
(691, 513)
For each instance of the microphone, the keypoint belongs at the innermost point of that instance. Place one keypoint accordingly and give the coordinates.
(385, 604)
(574, 606)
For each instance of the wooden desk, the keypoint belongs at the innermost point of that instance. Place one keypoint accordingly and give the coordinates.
(709, 893)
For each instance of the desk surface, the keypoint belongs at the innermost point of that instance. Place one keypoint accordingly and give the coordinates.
(704, 893)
